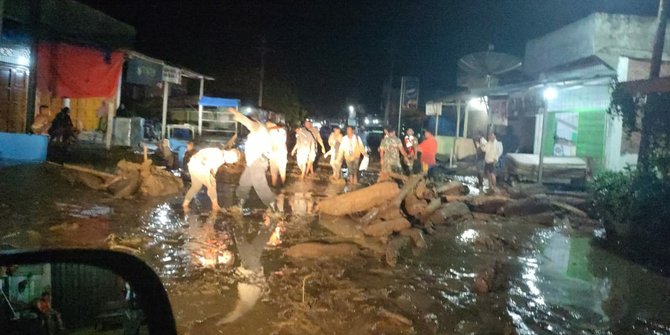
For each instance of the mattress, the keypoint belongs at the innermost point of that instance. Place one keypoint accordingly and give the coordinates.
(525, 166)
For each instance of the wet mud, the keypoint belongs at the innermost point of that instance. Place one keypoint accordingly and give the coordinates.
(230, 273)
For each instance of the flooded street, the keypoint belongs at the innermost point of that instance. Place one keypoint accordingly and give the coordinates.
(228, 273)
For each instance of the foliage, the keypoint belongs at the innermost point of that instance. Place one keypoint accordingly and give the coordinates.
(655, 109)
(633, 208)
(625, 105)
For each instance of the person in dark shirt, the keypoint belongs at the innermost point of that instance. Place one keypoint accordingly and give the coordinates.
(62, 128)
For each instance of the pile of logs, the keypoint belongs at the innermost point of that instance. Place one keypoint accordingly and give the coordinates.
(131, 179)
(385, 217)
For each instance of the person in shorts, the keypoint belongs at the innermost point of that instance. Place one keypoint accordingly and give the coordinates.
(351, 149)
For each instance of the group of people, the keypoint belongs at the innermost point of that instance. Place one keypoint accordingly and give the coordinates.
(60, 129)
(266, 148)
(391, 148)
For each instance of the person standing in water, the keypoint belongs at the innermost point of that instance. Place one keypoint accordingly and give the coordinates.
(304, 149)
(317, 137)
(334, 141)
(351, 150)
(257, 151)
(279, 153)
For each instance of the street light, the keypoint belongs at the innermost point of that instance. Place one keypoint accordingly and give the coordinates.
(351, 109)
(550, 93)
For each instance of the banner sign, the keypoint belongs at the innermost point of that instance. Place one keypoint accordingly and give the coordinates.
(171, 74)
(409, 96)
(142, 72)
(434, 109)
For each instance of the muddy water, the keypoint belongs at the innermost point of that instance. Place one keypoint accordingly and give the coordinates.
(223, 277)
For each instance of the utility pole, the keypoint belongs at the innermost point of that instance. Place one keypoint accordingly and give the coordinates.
(659, 41)
(654, 72)
(264, 50)
(389, 92)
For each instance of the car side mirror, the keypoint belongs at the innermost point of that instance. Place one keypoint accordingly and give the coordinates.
(49, 291)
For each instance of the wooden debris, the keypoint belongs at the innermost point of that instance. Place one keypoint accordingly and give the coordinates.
(416, 236)
(453, 188)
(406, 189)
(414, 206)
(487, 204)
(360, 200)
(322, 250)
(527, 206)
(395, 317)
(570, 209)
(393, 248)
(384, 228)
(428, 211)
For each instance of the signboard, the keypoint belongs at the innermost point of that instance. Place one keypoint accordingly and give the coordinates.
(171, 74)
(410, 94)
(142, 72)
(15, 54)
(434, 109)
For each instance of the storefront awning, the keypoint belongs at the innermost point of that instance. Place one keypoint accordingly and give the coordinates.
(219, 102)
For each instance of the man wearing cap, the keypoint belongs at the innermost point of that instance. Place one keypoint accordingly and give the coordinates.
(257, 151)
(203, 167)
(317, 137)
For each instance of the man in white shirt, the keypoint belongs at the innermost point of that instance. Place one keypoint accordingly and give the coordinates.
(492, 151)
(257, 151)
(279, 154)
(351, 148)
(203, 167)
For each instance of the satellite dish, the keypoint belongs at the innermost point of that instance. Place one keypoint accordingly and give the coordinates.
(482, 69)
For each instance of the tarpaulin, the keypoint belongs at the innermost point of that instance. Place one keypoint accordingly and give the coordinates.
(72, 71)
(218, 102)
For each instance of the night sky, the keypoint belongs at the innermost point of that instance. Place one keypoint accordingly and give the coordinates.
(337, 52)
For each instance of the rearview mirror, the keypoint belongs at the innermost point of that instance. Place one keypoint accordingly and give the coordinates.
(77, 291)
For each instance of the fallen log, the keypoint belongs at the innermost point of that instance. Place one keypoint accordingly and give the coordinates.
(416, 236)
(414, 206)
(393, 248)
(453, 188)
(428, 211)
(347, 229)
(385, 228)
(570, 209)
(101, 174)
(407, 189)
(360, 200)
(487, 204)
(370, 216)
(536, 204)
(315, 250)
(395, 317)
(450, 212)
(388, 176)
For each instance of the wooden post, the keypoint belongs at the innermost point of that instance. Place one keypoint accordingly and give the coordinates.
(166, 93)
(544, 129)
(458, 128)
(111, 113)
(202, 93)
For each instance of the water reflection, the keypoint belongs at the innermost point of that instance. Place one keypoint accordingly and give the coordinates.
(572, 286)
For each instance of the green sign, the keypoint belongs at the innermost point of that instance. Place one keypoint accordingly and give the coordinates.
(142, 72)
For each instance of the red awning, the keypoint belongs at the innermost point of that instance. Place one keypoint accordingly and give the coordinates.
(77, 72)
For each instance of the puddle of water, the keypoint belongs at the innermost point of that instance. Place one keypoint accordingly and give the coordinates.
(571, 286)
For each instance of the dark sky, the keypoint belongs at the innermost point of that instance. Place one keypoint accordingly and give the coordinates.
(336, 50)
